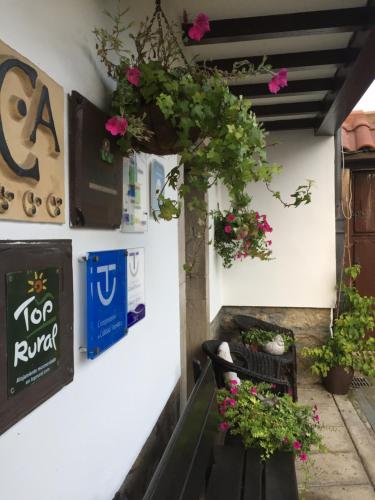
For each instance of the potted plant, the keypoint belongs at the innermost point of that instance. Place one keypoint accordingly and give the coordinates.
(265, 339)
(267, 421)
(350, 347)
(165, 104)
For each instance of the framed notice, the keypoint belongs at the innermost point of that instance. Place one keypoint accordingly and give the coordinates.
(95, 168)
(136, 285)
(135, 213)
(106, 291)
(36, 325)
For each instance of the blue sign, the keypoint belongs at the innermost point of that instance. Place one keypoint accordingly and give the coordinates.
(106, 280)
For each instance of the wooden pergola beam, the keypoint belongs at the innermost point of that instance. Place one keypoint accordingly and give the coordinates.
(291, 108)
(292, 60)
(301, 123)
(285, 25)
(357, 81)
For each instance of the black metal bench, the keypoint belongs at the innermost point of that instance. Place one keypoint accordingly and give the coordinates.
(198, 465)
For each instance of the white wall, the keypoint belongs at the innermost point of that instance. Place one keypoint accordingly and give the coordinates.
(302, 273)
(80, 444)
(215, 266)
(367, 101)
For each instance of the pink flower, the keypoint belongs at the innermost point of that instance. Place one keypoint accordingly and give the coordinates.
(231, 217)
(233, 390)
(117, 125)
(269, 242)
(224, 426)
(316, 418)
(203, 22)
(231, 402)
(133, 76)
(228, 229)
(303, 457)
(253, 390)
(234, 382)
(315, 408)
(195, 33)
(297, 445)
(200, 27)
(273, 386)
(278, 81)
(222, 410)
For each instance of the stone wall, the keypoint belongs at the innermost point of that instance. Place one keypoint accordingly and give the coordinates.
(310, 327)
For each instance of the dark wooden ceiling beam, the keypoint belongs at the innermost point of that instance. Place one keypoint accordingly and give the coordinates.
(292, 60)
(285, 25)
(290, 108)
(358, 79)
(294, 87)
(290, 124)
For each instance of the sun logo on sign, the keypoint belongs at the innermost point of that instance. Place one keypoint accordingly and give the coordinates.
(38, 284)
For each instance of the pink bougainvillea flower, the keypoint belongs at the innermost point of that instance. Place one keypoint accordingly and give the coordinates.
(200, 27)
(297, 445)
(203, 22)
(231, 217)
(269, 242)
(133, 76)
(278, 81)
(222, 410)
(224, 426)
(231, 401)
(233, 382)
(228, 229)
(303, 457)
(316, 418)
(117, 125)
(253, 390)
(233, 390)
(195, 33)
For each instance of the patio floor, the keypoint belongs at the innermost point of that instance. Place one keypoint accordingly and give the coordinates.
(347, 470)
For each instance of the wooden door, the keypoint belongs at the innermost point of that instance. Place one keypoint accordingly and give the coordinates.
(363, 229)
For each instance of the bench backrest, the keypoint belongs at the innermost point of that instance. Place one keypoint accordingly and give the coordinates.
(183, 468)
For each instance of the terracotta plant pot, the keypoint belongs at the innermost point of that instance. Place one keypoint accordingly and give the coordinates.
(338, 380)
(164, 138)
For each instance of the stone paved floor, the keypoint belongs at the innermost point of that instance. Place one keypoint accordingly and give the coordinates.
(344, 472)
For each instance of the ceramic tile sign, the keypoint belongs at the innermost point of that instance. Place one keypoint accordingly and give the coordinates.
(135, 213)
(157, 181)
(33, 321)
(36, 324)
(95, 168)
(136, 285)
(106, 289)
(31, 142)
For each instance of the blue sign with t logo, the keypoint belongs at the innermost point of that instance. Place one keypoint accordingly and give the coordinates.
(106, 280)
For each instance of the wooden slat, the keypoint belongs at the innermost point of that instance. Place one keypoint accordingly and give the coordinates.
(290, 108)
(227, 472)
(292, 60)
(254, 468)
(285, 25)
(280, 477)
(290, 124)
(172, 474)
(294, 87)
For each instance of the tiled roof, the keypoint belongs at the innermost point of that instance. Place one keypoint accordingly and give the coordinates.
(358, 131)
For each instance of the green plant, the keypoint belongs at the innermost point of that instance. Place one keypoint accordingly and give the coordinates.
(218, 136)
(350, 346)
(268, 421)
(261, 337)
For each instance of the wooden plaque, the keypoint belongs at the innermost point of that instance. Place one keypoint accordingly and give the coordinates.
(31, 142)
(95, 173)
(36, 324)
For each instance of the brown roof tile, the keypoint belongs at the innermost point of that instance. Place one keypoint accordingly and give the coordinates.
(358, 131)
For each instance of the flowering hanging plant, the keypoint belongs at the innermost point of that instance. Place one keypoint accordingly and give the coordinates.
(240, 234)
(267, 421)
(165, 104)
